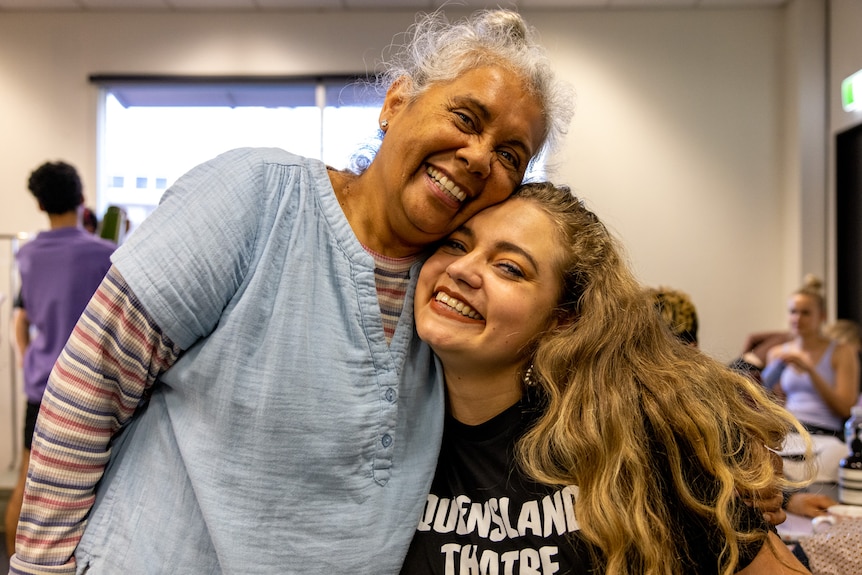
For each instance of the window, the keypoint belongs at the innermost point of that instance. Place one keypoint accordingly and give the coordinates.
(154, 129)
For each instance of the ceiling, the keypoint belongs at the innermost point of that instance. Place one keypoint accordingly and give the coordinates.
(358, 5)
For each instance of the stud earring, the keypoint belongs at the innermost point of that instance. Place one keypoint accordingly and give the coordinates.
(384, 124)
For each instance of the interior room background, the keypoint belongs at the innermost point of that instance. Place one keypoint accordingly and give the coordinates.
(703, 137)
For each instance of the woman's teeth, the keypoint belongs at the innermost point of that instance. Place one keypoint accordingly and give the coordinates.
(447, 184)
(457, 305)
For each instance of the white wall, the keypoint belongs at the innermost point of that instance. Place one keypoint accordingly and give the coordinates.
(695, 136)
(804, 196)
(11, 391)
(845, 21)
(677, 143)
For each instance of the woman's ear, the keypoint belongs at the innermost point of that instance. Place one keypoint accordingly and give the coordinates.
(563, 320)
(396, 98)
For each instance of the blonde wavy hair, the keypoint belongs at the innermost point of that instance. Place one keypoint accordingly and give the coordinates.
(628, 404)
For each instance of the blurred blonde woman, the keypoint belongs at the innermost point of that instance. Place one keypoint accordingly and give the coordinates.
(822, 382)
(581, 435)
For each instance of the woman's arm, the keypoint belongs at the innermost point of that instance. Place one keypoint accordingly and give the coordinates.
(761, 343)
(775, 364)
(774, 558)
(112, 358)
(22, 333)
(841, 396)
(845, 362)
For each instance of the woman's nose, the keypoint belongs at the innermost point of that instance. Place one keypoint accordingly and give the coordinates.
(477, 156)
(465, 270)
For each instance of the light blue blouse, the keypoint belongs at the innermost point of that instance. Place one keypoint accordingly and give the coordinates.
(289, 437)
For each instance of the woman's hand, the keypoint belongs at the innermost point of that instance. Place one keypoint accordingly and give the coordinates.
(797, 360)
(772, 509)
(809, 504)
(771, 502)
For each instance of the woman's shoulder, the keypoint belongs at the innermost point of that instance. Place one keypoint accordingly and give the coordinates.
(250, 160)
(844, 352)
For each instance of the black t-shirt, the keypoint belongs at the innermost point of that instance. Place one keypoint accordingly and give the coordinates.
(484, 516)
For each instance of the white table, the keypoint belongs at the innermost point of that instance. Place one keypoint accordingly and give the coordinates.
(794, 527)
(828, 452)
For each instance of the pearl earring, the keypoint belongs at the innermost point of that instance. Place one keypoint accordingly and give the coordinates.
(529, 377)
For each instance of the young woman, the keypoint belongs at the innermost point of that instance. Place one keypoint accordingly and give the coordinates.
(581, 435)
(822, 382)
(244, 394)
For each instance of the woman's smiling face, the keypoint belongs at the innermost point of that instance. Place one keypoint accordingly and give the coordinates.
(492, 287)
(455, 149)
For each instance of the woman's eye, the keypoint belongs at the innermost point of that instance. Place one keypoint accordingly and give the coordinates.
(510, 158)
(511, 269)
(452, 245)
(465, 119)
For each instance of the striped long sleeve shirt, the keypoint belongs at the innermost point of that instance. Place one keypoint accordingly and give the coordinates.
(112, 359)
